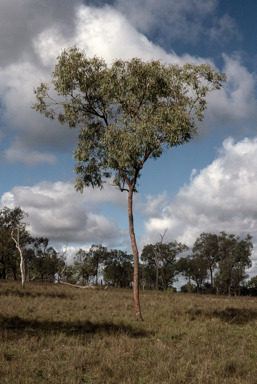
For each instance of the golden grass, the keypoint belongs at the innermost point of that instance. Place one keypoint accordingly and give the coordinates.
(59, 335)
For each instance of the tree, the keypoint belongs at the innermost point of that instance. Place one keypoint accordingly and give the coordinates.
(22, 265)
(84, 268)
(118, 269)
(96, 256)
(153, 253)
(199, 270)
(163, 256)
(206, 247)
(185, 266)
(10, 222)
(252, 286)
(128, 113)
(234, 259)
(46, 262)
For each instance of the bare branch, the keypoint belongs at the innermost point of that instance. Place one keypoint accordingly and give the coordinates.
(77, 286)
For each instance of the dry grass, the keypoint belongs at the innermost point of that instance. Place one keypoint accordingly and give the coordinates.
(58, 335)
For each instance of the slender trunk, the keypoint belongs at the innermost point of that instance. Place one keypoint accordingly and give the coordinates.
(135, 253)
(14, 275)
(189, 280)
(157, 277)
(22, 265)
(4, 274)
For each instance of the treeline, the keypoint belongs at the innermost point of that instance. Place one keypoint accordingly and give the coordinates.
(217, 263)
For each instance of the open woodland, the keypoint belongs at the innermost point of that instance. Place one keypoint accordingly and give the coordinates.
(51, 333)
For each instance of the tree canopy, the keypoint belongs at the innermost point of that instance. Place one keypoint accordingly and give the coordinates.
(127, 111)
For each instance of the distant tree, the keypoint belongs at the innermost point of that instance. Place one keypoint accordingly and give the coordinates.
(206, 247)
(128, 113)
(96, 256)
(69, 275)
(152, 253)
(234, 259)
(22, 264)
(199, 270)
(46, 262)
(163, 256)
(185, 266)
(11, 255)
(85, 270)
(252, 286)
(147, 274)
(118, 268)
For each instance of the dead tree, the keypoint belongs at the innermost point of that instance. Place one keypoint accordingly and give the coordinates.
(157, 258)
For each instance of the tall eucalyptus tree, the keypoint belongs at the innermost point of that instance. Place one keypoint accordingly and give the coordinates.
(128, 112)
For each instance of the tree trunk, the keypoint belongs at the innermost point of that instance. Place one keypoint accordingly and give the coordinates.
(135, 253)
(189, 280)
(22, 265)
(157, 278)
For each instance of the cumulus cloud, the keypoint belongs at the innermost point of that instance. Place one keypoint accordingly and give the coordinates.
(221, 197)
(58, 212)
(181, 20)
(153, 205)
(223, 29)
(21, 21)
(235, 104)
(15, 154)
(106, 31)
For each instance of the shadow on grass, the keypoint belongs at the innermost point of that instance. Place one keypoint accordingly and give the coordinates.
(229, 314)
(34, 294)
(34, 327)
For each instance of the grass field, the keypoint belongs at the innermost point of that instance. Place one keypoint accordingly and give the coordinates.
(58, 334)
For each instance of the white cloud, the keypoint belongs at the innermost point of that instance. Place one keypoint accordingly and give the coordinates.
(184, 20)
(223, 30)
(58, 212)
(221, 197)
(235, 104)
(153, 205)
(108, 33)
(22, 20)
(102, 32)
(14, 154)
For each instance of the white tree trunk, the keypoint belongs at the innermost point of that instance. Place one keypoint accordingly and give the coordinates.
(22, 265)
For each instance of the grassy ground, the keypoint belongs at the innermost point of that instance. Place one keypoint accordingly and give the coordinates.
(57, 334)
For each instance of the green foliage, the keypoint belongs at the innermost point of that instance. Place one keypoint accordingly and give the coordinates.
(97, 255)
(234, 259)
(252, 286)
(45, 262)
(118, 268)
(9, 256)
(206, 247)
(127, 112)
(84, 270)
(162, 257)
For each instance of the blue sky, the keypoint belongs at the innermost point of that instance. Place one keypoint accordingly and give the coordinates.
(207, 185)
